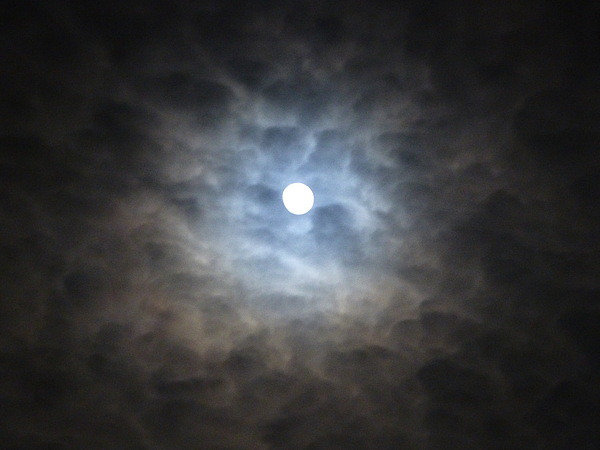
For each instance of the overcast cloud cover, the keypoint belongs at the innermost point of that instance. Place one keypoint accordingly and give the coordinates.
(441, 294)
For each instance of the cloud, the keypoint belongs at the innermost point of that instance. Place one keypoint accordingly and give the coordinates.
(442, 293)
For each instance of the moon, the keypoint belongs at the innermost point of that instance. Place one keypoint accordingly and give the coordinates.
(298, 198)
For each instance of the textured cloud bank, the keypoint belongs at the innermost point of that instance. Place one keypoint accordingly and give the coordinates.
(443, 293)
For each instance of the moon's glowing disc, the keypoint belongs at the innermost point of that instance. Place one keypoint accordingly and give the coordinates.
(298, 198)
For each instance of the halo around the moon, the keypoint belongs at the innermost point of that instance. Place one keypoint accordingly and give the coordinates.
(298, 198)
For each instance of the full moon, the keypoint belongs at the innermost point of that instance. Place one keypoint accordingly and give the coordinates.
(298, 198)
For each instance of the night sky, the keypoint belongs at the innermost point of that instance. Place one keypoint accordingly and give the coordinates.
(443, 293)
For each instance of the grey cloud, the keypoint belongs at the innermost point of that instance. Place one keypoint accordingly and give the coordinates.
(251, 72)
(206, 98)
(284, 144)
(442, 293)
(333, 230)
(402, 148)
(303, 96)
(83, 285)
(330, 151)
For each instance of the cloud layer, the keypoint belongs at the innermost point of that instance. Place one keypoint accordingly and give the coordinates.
(442, 293)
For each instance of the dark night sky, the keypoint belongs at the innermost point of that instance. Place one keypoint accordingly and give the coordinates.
(443, 293)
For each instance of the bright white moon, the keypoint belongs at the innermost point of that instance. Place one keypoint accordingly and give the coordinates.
(298, 198)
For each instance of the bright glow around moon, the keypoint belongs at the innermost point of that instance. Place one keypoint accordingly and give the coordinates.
(298, 198)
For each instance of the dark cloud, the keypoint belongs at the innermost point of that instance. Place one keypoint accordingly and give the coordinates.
(283, 144)
(442, 293)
